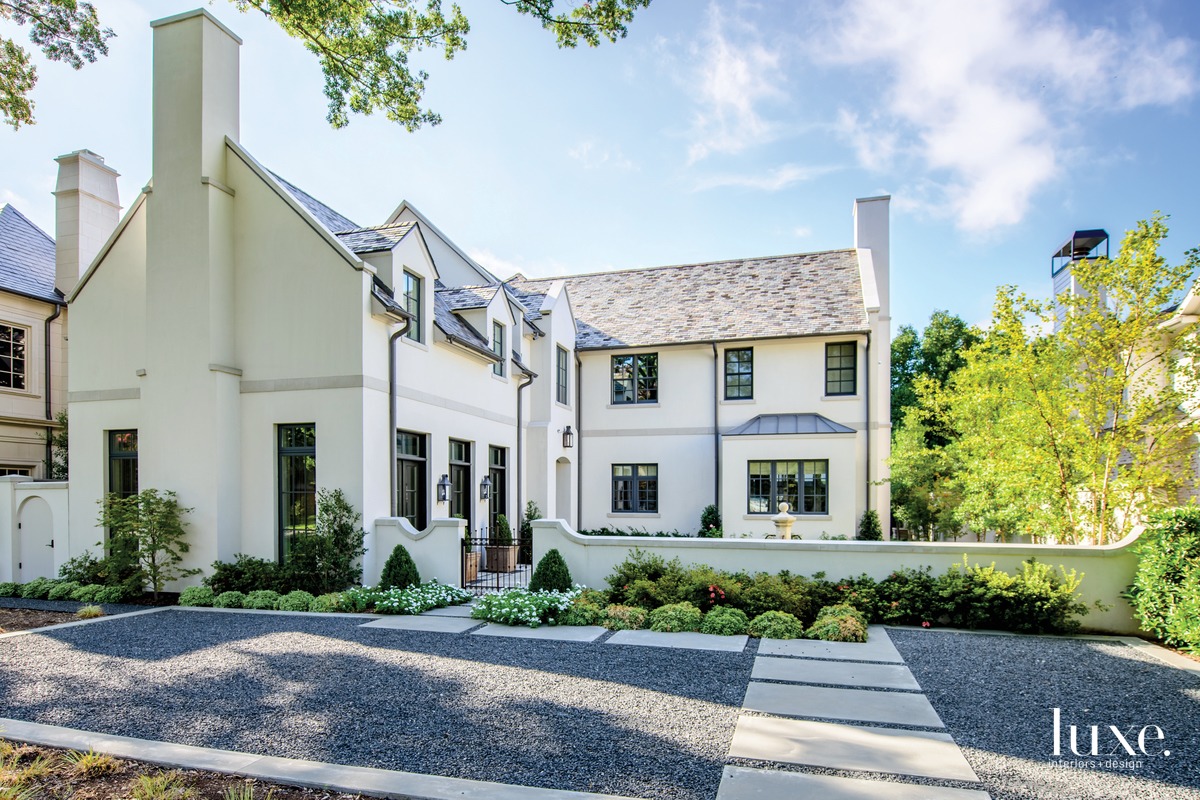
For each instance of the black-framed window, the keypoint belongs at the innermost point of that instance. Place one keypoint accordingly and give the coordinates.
(635, 488)
(412, 481)
(561, 375)
(498, 347)
(23, 471)
(739, 373)
(297, 484)
(123, 463)
(635, 378)
(841, 368)
(498, 473)
(460, 481)
(803, 485)
(412, 304)
(12, 357)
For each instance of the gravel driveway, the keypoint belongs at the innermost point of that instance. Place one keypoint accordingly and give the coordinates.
(638, 721)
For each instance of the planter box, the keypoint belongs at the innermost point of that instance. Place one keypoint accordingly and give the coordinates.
(470, 567)
(502, 558)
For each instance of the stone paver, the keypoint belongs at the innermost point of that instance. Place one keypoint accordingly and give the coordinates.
(558, 633)
(849, 747)
(878, 647)
(424, 623)
(855, 705)
(449, 611)
(739, 783)
(839, 673)
(686, 641)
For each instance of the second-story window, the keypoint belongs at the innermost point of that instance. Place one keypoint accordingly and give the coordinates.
(498, 347)
(561, 376)
(12, 357)
(841, 368)
(412, 304)
(635, 379)
(739, 374)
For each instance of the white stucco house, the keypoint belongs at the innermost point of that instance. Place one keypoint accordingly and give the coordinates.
(242, 344)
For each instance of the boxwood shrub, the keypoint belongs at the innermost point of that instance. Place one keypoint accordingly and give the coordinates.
(197, 597)
(676, 618)
(298, 600)
(326, 603)
(87, 594)
(62, 591)
(776, 625)
(262, 600)
(725, 621)
(229, 600)
(9, 589)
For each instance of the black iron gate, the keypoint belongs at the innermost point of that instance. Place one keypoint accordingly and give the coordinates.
(489, 565)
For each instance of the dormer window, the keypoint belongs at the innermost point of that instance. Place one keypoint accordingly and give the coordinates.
(498, 348)
(412, 304)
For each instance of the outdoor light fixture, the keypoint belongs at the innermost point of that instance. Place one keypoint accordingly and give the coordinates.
(568, 437)
(485, 488)
(443, 487)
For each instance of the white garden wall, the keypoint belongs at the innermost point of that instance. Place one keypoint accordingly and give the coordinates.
(33, 528)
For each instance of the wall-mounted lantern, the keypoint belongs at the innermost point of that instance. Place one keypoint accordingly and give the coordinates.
(443, 489)
(568, 437)
(485, 488)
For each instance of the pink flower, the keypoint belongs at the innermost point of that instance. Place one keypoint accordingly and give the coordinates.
(924, 624)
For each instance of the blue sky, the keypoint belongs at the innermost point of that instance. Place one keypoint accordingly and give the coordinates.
(715, 131)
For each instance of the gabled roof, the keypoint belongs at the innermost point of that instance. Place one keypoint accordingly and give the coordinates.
(806, 294)
(377, 239)
(26, 257)
(788, 424)
(461, 298)
(457, 329)
(520, 288)
(324, 214)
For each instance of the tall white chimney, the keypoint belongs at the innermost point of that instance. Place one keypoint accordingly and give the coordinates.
(88, 210)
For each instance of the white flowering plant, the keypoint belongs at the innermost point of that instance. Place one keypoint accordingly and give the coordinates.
(523, 607)
(418, 599)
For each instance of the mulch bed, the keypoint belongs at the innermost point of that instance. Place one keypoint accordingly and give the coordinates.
(24, 619)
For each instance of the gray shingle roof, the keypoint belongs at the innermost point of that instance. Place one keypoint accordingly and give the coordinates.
(460, 298)
(26, 257)
(789, 424)
(528, 297)
(324, 214)
(374, 240)
(457, 328)
(795, 295)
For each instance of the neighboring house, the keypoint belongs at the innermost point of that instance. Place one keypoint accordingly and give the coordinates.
(242, 344)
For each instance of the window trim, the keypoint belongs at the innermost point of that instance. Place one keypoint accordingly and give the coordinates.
(282, 453)
(853, 369)
(498, 338)
(562, 375)
(455, 466)
(636, 379)
(746, 373)
(115, 455)
(421, 514)
(414, 304)
(27, 346)
(635, 494)
(773, 499)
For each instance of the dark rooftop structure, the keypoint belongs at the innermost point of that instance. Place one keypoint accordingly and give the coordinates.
(26, 257)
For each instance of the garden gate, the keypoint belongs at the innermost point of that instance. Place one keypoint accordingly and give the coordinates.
(490, 564)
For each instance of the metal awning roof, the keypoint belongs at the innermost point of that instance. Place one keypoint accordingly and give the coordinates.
(789, 424)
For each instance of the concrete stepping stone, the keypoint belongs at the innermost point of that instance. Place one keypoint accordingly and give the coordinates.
(449, 611)
(856, 705)
(424, 623)
(850, 747)
(840, 673)
(557, 633)
(739, 783)
(684, 641)
(877, 647)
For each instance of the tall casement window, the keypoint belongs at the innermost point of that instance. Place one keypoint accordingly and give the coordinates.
(123, 463)
(412, 492)
(635, 488)
(635, 379)
(12, 357)
(561, 376)
(803, 485)
(412, 304)
(498, 473)
(498, 347)
(841, 368)
(460, 481)
(739, 374)
(297, 484)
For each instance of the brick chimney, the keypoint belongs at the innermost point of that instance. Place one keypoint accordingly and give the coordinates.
(87, 213)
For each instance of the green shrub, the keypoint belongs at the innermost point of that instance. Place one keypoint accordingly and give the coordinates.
(676, 618)
(83, 569)
(262, 600)
(842, 610)
(624, 618)
(908, 597)
(582, 613)
(840, 623)
(868, 527)
(1037, 599)
(326, 603)
(298, 600)
(776, 625)
(111, 594)
(523, 607)
(419, 599)
(525, 532)
(705, 587)
(710, 522)
(37, 589)
(765, 592)
(151, 537)
(197, 596)
(327, 560)
(232, 599)
(861, 592)
(502, 536)
(87, 594)
(1165, 594)
(358, 599)
(244, 574)
(647, 580)
(725, 621)
(9, 589)
(551, 574)
(62, 591)
(399, 571)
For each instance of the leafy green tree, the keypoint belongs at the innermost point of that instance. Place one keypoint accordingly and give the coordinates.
(328, 560)
(363, 46)
(149, 528)
(56, 467)
(936, 354)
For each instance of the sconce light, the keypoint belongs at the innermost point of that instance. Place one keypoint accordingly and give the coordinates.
(443, 489)
(485, 488)
(568, 437)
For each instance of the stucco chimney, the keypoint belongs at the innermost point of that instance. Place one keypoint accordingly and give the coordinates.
(872, 232)
(87, 211)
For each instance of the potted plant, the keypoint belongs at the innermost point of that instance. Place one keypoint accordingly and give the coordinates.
(501, 552)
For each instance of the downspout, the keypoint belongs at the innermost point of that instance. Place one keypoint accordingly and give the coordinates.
(578, 443)
(520, 452)
(867, 398)
(49, 407)
(392, 411)
(716, 430)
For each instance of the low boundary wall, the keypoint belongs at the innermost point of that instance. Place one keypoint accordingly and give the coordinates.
(1107, 570)
(437, 550)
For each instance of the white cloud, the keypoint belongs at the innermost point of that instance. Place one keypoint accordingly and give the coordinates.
(735, 74)
(596, 155)
(802, 231)
(779, 178)
(991, 96)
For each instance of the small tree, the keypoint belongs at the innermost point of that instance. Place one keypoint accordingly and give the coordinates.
(149, 529)
(503, 535)
(399, 571)
(56, 466)
(710, 521)
(868, 527)
(532, 512)
(551, 574)
(328, 559)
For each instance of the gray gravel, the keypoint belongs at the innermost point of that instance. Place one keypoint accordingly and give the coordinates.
(69, 606)
(996, 695)
(637, 721)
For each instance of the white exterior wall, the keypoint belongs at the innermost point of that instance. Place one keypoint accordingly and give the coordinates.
(23, 411)
(551, 469)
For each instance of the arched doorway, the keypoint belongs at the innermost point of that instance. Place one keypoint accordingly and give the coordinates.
(35, 540)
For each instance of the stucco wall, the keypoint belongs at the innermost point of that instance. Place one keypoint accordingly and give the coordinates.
(38, 547)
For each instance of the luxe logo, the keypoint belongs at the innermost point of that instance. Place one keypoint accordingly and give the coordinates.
(1109, 741)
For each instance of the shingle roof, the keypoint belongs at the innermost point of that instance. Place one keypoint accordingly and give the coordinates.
(795, 295)
(457, 328)
(324, 214)
(789, 424)
(528, 297)
(460, 298)
(373, 240)
(26, 257)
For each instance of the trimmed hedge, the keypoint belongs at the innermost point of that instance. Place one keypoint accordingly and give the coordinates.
(1165, 594)
(551, 574)
(399, 571)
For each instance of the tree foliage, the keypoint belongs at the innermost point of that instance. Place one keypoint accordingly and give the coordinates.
(936, 354)
(56, 466)
(363, 46)
(328, 559)
(149, 528)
